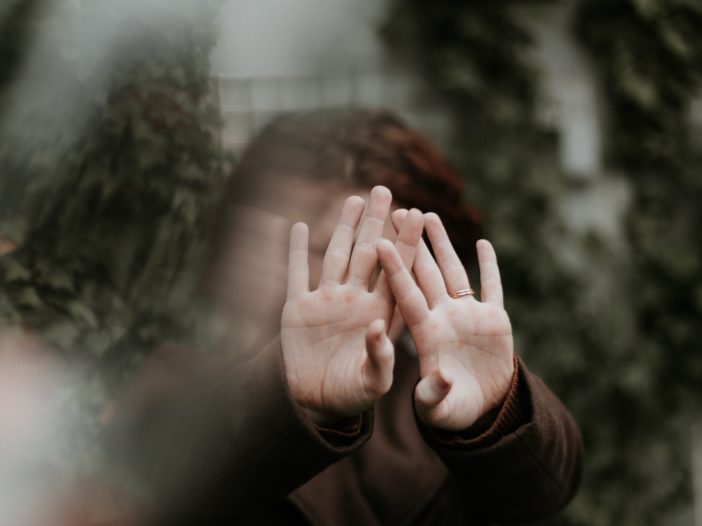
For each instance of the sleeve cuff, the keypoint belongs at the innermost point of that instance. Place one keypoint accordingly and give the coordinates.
(497, 423)
(345, 432)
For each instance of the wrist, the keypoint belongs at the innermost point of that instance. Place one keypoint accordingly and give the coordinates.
(306, 401)
(502, 420)
(503, 384)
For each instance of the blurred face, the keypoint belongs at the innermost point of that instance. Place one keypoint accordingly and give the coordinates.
(251, 279)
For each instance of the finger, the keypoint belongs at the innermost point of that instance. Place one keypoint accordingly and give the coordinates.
(429, 394)
(452, 269)
(409, 298)
(364, 257)
(408, 236)
(426, 271)
(380, 360)
(397, 324)
(428, 276)
(336, 258)
(397, 217)
(490, 282)
(298, 264)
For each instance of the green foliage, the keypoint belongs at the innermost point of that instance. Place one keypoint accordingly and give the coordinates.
(617, 347)
(110, 176)
(648, 53)
(110, 166)
(649, 57)
(16, 19)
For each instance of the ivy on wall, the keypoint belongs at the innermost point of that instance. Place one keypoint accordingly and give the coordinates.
(624, 360)
(649, 60)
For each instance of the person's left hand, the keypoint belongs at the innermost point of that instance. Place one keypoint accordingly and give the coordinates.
(464, 346)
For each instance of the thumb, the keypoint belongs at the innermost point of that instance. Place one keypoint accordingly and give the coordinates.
(380, 359)
(429, 394)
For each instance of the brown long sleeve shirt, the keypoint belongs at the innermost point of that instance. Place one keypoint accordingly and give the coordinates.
(253, 457)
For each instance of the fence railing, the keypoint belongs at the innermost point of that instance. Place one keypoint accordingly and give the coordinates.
(249, 103)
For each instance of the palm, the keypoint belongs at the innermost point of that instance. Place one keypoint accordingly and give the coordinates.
(338, 358)
(329, 327)
(464, 346)
(471, 343)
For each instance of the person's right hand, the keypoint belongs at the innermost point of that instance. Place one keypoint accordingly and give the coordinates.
(337, 355)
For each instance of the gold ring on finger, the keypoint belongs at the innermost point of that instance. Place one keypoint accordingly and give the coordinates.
(463, 292)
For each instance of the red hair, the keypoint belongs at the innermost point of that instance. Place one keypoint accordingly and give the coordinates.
(362, 148)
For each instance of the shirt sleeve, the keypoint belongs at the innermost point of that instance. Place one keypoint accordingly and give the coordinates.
(228, 440)
(345, 432)
(499, 422)
(524, 463)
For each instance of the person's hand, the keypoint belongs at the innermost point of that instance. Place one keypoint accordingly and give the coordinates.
(464, 346)
(337, 356)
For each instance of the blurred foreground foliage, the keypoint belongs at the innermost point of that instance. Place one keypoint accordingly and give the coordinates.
(110, 162)
(110, 166)
(614, 334)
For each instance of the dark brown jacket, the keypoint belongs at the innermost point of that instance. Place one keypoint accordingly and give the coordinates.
(238, 450)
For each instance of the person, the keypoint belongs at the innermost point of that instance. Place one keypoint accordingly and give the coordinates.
(358, 412)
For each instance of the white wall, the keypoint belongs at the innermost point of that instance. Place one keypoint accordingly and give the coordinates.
(281, 55)
(290, 37)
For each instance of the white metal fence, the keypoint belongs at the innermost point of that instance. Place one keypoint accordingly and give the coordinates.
(249, 103)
